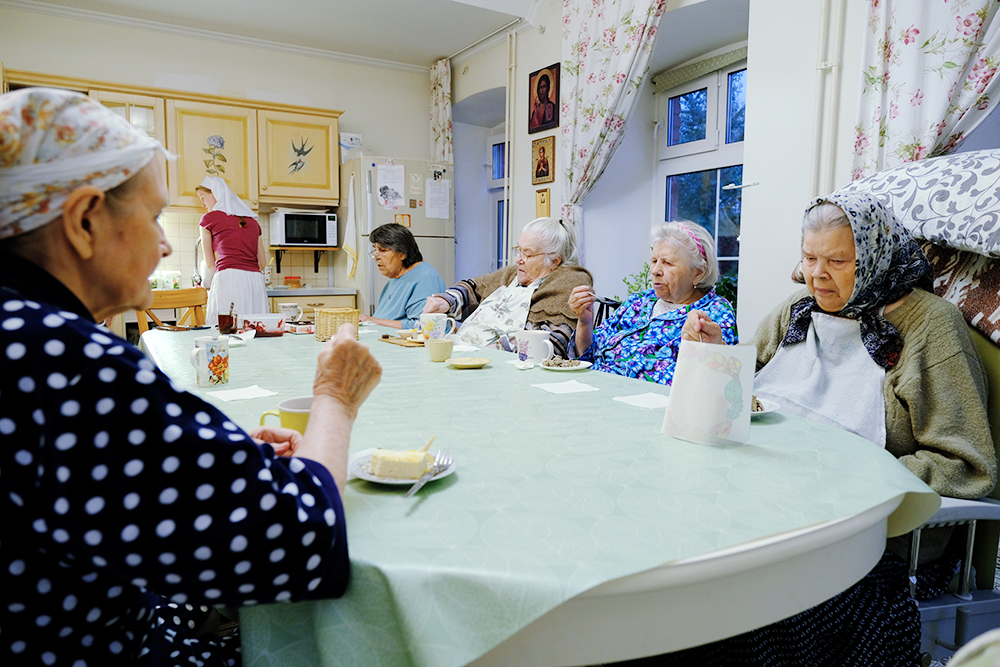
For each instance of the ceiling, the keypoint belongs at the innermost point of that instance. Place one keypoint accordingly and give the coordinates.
(409, 32)
(404, 32)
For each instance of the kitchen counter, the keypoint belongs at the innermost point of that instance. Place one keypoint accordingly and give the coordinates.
(311, 291)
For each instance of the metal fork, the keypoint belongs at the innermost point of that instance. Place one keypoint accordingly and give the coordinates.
(441, 463)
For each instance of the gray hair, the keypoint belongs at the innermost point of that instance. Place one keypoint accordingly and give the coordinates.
(555, 237)
(681, 234)
(824, 215)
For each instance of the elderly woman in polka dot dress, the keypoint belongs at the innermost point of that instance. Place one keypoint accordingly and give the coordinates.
(131, 507)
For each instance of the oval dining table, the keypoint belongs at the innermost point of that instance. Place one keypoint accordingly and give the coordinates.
(572, 531)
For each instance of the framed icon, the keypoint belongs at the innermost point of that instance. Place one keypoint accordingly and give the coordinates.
(543, 99)
(542, 203)
(543, 160)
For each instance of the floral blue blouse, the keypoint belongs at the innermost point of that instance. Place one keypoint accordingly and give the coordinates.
(631, 343)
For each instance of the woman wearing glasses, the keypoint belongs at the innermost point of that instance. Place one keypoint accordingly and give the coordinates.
(411, 279)
(531, 293)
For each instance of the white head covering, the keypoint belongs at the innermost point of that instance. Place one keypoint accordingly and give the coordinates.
(54, 141)
(225, 199)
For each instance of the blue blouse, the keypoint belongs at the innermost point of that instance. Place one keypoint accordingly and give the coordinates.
(632, 343)
(403, 298)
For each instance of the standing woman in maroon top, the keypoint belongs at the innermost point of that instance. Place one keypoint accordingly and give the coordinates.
(234, 251)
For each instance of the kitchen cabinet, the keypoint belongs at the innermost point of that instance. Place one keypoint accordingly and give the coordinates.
(299, 158)
(211, 140)
(309, 303)
(143, 111)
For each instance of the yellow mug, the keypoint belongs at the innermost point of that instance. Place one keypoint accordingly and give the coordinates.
(293, 412)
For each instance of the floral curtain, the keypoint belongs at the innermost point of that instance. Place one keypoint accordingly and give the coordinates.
(929, 79)
(606, 47)
(441, 111)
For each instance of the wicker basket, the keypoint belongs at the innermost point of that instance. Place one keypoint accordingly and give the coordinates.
(328, 320)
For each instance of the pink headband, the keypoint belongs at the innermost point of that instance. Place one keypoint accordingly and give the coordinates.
(693, 238)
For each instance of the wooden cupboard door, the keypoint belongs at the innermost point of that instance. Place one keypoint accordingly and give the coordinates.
(211, 140)
(299, 158)
(142, 111)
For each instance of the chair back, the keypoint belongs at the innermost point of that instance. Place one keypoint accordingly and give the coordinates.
(194, 299)
(604, 308)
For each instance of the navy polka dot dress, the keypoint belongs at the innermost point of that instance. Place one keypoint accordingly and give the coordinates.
(129, 506)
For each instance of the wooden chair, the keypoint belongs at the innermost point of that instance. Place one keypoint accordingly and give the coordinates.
(194, 299)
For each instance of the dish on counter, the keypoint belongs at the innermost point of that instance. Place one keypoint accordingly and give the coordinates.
(361, 467)
(768, 407)
(579, 366)
(467, 362)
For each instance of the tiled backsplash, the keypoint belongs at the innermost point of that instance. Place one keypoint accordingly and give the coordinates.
(181, 228)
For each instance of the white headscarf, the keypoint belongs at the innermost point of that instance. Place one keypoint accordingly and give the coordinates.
(225, 199)
(54, 141)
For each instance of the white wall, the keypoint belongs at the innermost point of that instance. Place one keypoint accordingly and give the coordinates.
(781, 98)
(618, 213)
(388, 107)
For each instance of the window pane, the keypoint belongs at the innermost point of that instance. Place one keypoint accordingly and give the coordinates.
(498, 161)
(730, 205)
(737, 106)
(499, 223)
(692, 197)
(687, 116)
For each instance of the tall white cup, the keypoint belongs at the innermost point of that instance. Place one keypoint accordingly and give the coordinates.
(435, 325)
(534, 346)
(292, 312)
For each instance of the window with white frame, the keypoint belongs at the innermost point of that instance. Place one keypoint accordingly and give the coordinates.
(498, 165)
(701, 153)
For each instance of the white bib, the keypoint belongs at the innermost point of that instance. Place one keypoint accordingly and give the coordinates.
(829, 377)
(505, 311)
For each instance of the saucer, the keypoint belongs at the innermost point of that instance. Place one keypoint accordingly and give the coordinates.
(467, 362)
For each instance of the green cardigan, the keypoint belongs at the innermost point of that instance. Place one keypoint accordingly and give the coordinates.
(935, 395)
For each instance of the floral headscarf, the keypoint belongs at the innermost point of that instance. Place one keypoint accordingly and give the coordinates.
(225, 199)
(54, 141)
(889, 265)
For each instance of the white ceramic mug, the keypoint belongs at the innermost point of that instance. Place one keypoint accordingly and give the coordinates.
(210, 358)
(291, 311)
(435, 325)
(534, 346)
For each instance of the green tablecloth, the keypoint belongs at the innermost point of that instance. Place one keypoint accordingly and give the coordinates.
(553, 495)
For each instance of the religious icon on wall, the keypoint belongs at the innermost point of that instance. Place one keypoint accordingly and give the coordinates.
(542, 203)
(543, 160)
(543, 99)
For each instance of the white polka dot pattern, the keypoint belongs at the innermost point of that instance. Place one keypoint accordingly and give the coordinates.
(125, 485)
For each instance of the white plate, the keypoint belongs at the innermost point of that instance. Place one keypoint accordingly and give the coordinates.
(583, 365)
(361, 467)
(769, 406)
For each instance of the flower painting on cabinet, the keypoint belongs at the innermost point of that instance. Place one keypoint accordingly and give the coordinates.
(216, 144)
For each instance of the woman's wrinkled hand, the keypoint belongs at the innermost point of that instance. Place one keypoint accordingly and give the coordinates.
(284, 441)
(581, 301)
(346, 371)
(699, 326)
(436, 304)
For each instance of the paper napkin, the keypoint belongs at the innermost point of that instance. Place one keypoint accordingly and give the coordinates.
(240, 394)
(647, 400)
(571, 387)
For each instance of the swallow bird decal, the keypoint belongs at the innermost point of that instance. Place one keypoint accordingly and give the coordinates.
(300, 152)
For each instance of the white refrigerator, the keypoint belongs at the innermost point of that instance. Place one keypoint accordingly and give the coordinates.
(415, 193)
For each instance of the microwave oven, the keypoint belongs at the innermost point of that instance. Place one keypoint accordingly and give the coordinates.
(302, 228)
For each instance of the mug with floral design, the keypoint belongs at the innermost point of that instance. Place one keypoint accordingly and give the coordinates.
(210, 358)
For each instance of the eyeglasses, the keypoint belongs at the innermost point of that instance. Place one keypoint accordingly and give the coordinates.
(517, 251)
(378, 252)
